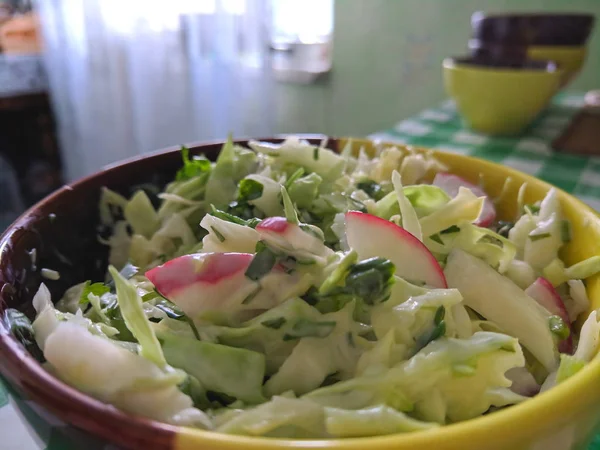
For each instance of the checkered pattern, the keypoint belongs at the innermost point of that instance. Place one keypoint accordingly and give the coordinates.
(28, 427)
(442, 128)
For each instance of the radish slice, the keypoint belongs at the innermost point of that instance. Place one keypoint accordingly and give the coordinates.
(544, 293)
(373, 236)
(217, 282)
(450, 184)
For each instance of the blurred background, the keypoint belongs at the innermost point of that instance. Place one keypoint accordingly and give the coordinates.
(84, 83)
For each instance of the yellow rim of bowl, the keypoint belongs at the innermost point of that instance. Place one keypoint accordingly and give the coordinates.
(451, 64)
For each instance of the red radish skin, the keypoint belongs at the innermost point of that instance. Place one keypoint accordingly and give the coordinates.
(450, 184)
(274, 224)
(373, 236)
(542, 291)
(181, 272)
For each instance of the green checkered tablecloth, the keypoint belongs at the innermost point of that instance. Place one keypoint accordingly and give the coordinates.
(26, 426)
(442, 128)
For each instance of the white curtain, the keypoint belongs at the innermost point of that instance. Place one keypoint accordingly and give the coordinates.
(132, 76)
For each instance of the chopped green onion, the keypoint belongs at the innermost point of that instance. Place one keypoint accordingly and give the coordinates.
(261, 264)
(437, 332)
(219, 235)
(170, 309)
(533, 208)
(372, 189)
(297, 174)
(436, 238)
(316, 153)
(565, 231)
(488, 239)
(275, 323)
(350, 339)
(250, 189)
(440, 313)
(226, 216)
(19, 326)
(559, 327)
(98, 289)
(288, 207)
(537, 237)
(452, 229)
(308, 328)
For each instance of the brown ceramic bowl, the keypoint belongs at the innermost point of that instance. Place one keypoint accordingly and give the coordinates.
(536, 29)
(63, 229)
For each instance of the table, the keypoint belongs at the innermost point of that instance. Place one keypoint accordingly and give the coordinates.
(25, 426)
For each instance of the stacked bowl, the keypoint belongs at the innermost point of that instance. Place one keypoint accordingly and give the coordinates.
(517, 63)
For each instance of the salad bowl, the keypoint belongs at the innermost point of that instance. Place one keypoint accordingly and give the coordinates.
(63, 229)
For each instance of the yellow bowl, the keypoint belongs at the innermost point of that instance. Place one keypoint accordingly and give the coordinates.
(562, 418)
(499, 101)
(569, 59)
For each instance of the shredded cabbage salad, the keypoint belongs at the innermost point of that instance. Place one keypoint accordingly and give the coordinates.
(286, 290)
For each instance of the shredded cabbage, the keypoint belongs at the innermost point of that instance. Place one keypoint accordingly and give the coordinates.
(233, 301)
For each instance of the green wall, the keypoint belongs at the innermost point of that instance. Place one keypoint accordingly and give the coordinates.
(387, 58)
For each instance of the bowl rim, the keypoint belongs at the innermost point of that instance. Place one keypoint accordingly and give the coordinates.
(456, 63)
(563, 397)
(482, 15)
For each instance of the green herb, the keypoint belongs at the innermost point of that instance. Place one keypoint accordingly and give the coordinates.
(170, 309)
(262, 263)
(370, 280)
(436, 238)
(192, 326)
(191, 167)
(316, 153)
(452, 229)
(219, 235)
(440, 313)
(565, 231)
(350, 339)
(488, 239)
(275, 323)
(559, 327)
(297, 174)
(537, 237)
(250, 190)
(19, 326)
(372, 189)
(251, 296)
(308, 328)
(288, 207)
(98, 289)
(226, 216)
(437, 332)
(532, 208)
(252, 222)
(312, 230)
